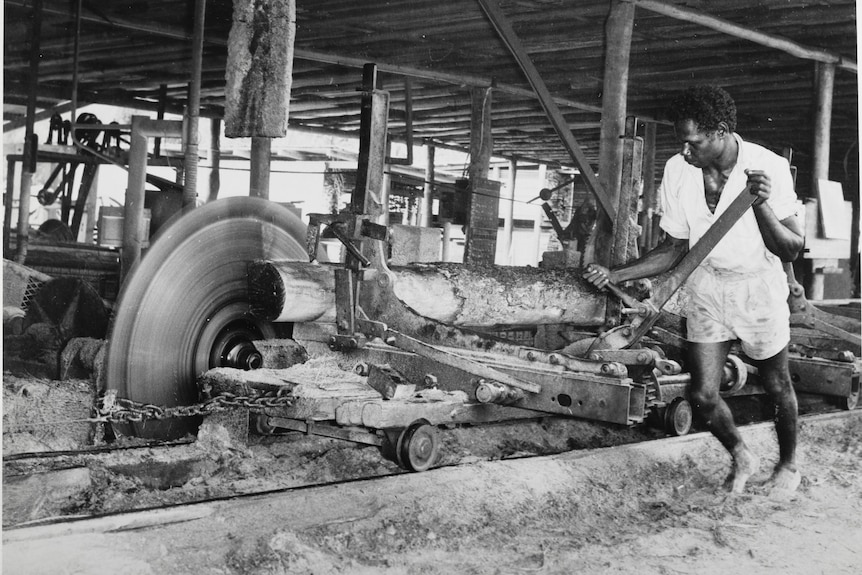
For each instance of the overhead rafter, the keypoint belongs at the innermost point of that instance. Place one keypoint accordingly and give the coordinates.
(733, 29)
(323, 57)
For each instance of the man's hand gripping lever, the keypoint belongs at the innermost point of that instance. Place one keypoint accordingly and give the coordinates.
(643, 313)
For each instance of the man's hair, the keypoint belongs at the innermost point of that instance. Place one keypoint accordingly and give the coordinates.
(706, 105)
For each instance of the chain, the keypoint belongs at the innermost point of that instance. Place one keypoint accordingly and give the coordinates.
(114, 409)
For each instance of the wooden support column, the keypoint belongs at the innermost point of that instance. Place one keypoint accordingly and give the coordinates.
(825, 83)
(133, 208)
(215, 159)
(618, 38)
(428, 191)
(446, 253)
(540, 214)
(650, 198)
(822, 123)
(509, 213)
(258, 79)
(481, 141)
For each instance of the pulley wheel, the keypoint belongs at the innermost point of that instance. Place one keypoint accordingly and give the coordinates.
(184, 307)
(678, 417)
(418, 446)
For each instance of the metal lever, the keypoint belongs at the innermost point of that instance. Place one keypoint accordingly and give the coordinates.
(624, 336)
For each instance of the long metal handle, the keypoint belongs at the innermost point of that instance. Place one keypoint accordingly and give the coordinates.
(624, 336)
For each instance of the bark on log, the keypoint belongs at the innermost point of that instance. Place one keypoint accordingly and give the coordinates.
(486, 297)
(259, 68)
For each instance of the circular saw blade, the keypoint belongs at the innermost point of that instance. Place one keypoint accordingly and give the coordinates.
(181, 297)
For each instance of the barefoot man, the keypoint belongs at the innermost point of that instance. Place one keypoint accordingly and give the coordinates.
(739, 292)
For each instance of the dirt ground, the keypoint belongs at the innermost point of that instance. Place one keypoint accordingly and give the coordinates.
(599, 504)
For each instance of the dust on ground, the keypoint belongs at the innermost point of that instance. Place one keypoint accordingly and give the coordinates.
(607, 513)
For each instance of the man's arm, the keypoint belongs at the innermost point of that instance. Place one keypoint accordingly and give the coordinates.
(783, 238)
(659, 260)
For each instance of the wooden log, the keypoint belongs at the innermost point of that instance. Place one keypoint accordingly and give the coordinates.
(259, 68)
(482, 297)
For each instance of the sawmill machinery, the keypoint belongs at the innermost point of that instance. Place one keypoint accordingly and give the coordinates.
(433, 339)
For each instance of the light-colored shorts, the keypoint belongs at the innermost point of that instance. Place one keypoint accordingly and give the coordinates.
(724, 306)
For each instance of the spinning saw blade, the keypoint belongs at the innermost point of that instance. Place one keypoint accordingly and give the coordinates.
(184, 308)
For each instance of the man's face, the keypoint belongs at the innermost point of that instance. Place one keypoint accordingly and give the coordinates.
(698, 148)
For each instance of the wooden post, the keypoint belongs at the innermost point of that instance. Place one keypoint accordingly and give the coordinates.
(215, 159)
(540, 214)
(85, 230)
(481, 141)
(825, 82)
(428, 191)
(261, 150)
(822, 123)
(509, 213)
(446, 253)
(133, 209)
(618, 38)
(650, 201)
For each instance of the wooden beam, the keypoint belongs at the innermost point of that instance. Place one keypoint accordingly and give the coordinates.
(322, 57)
(513, 43)
(732, 29)
(451, 78)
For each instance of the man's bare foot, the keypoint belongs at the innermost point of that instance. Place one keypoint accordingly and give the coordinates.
(784, 481)
(745, 464)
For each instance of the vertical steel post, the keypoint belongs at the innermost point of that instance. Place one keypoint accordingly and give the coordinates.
(215, 159)
(509, 213)
(428, 191)
(193, 112)
(30, 145)
(8, 200)
(261, 152)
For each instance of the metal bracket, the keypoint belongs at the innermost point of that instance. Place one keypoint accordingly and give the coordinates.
(445, 357)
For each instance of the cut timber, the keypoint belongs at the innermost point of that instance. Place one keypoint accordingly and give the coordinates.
(437, 406)
(484, 297)
(317, 387)
(259, 68)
